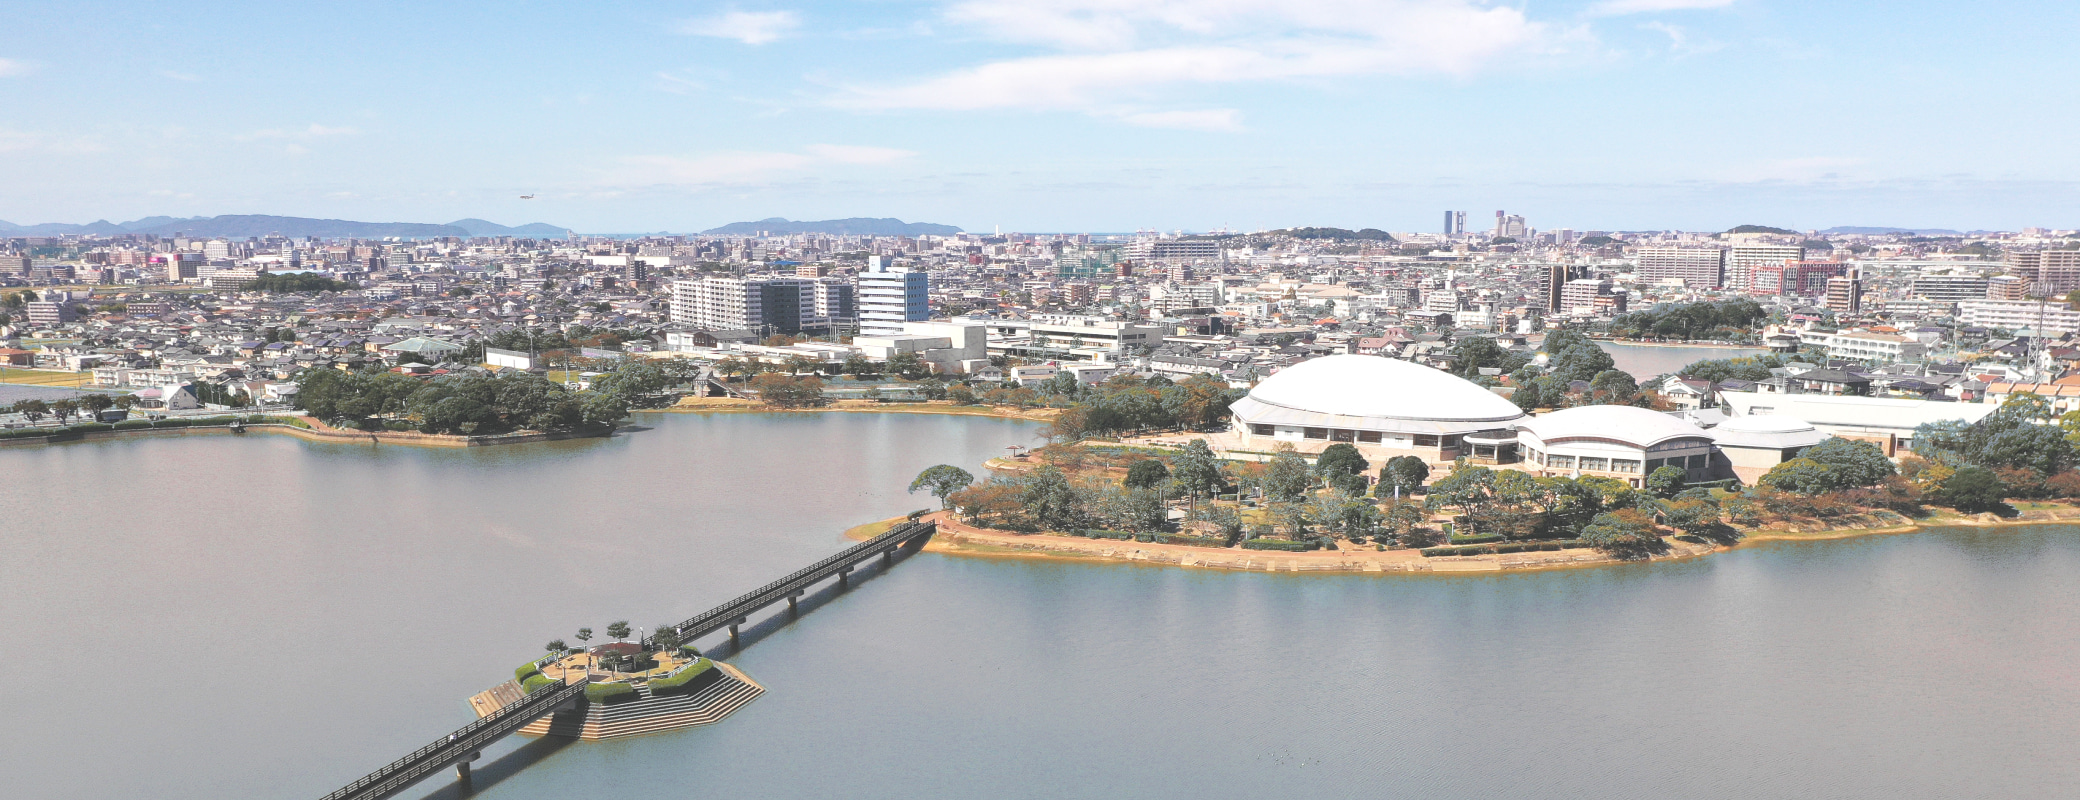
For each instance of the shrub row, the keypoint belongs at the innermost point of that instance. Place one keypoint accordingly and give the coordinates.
(609, 693)
(521, 672)
(1479, 549)
(687, 679)
(1195, 541)
(1465, 539)
(533, 682)
(1277, 544)
(1101, 534)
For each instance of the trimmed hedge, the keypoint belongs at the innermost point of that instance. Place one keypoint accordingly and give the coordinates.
(1433, 552)
(607, 694)
(174, 423)
(1197, 541)
(687, 679)
(533, 682)
(86, 427)
(1277, 544)
(133, 424)
(1104, 534)
(1493, 537)
(521, 672)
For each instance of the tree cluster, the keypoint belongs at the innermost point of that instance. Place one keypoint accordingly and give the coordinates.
(1725, 319)
(461, 404)
(1129, 403)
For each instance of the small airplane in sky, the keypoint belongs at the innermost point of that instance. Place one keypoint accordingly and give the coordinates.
(527, 197)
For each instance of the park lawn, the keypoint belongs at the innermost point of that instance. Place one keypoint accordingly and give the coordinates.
(42, 377)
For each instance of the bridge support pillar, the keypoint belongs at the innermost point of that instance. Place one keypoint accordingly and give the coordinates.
(733, 635)
(888, 556)
(845, 578)
(792, 600)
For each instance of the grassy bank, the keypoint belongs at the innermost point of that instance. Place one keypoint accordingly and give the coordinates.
(732, 405)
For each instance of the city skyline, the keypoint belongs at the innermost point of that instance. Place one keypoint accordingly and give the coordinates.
(1050, 116)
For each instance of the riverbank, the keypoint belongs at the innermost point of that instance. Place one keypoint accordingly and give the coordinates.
(1699, 345)
(957, 538)
(735, 405)
(305, 429)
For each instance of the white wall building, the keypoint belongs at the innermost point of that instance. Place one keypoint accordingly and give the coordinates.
(2048, 318)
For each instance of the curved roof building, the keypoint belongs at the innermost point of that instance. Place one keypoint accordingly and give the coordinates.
(1373, 402)
(1615, 441)
(1756, 442)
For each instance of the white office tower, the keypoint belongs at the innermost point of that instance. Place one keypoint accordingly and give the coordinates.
(890, 296)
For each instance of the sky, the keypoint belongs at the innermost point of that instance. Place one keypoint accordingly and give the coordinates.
(1048, 115)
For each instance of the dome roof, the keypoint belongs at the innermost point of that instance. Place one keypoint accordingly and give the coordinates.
(1639, 427)
(1373, 386)
(1767, 431)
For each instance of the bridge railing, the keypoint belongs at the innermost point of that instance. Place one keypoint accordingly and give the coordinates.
(469, 738)
(727, 610)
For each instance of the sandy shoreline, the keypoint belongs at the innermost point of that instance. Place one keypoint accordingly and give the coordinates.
(956, 538)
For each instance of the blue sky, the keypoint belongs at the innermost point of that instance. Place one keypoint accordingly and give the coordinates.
(1047, 115)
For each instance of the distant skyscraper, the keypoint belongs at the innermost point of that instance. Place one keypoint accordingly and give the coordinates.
(1454, 223)
(1556, 280)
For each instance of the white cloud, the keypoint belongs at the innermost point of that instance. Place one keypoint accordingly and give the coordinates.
(179, 76)
(1612, 8)
(678, 85)
(857, 154)
(13, 141)
(1114, 51)
(1212, 119)
(1679, 42)
(746, 167)
(749, 27)
(315, 130)
(12, 68)
(1793, 170)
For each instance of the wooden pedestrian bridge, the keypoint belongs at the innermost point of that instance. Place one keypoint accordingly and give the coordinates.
(467, 743)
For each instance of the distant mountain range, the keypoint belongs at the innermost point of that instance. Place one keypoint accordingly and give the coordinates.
(867, 226)
(1855, 230)
(238, 226)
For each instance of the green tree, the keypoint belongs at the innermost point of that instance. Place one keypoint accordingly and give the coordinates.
(942, 481)
(1052, 501)
(1614, 386)
(1287, 477)
(555, 646)
(1854, 463)
(32, 410)
(1146, 474)
(1401, 475)
(619, 630)
(1802, 476)
(1626, 533)
(584, 634)
(1972, 490)
(1400, 519)
(1665, 482)
(1339, 460)
(96, 403)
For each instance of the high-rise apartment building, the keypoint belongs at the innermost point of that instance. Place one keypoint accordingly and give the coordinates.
(2006, 287)
(1741, 261)
(1556, 278)
(1799, 278)
(1581, 294)
(890, 296)
(1950, 288)
(837, 301)
(2058, 272)
(767, 306)
(1845, 294)
(1696, 267)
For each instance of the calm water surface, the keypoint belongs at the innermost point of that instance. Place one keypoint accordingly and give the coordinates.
(1645, 361)
(303, 613)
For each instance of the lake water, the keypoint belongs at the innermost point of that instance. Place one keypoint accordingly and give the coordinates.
(297, 614)
(1645, 361)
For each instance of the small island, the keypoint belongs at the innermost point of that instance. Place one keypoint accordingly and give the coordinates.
(632, 688)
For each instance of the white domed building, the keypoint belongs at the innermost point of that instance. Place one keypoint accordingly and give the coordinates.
(1756, 442)
(1386, 407)
(1625, 442)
